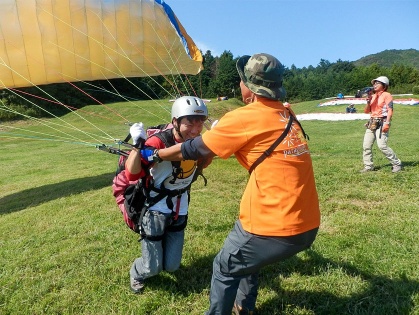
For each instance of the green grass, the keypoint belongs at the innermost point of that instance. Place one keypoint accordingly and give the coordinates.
(64, 248)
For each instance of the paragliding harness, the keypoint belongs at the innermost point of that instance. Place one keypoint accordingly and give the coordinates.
(136, 197)
(277, 142)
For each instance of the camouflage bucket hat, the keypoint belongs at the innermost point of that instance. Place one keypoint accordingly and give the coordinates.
(262, 74)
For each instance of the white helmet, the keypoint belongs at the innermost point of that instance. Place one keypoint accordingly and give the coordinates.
(188, 106)
(383, 80)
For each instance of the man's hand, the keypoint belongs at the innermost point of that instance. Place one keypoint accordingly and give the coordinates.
(205, 162)
(137, 133)
(386, 127)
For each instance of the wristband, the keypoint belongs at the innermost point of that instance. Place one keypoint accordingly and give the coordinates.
(156, 157)
(386, 123)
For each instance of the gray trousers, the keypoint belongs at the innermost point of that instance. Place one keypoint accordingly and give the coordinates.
(236, 266)
(165, 254)
(369, 138)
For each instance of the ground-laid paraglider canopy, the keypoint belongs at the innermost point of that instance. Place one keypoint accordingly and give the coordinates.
(363, 101)
(43, 42)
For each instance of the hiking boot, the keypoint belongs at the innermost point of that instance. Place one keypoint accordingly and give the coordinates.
(366, 169)
(237, 310)
(397, 168)
(137, 285)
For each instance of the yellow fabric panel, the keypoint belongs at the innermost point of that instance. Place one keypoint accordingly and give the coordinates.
(194, 51)
(44, 41)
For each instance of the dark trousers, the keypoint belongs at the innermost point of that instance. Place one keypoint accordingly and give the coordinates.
(236, 266)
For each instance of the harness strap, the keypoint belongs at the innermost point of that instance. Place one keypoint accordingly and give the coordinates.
(153, 238)
(178, 228)
(173, 193)
(199, 172)
(273, 146)
(170, 228)
(167, 137)
(177, 207)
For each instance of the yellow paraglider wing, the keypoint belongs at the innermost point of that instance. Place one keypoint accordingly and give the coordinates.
(43, 41)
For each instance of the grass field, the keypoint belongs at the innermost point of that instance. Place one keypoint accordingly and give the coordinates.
(64, 248)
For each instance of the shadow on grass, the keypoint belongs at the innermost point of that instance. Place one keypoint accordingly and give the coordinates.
(193, 278)
(36, 196)
(406, 165)
(409, 164)
(382, 295)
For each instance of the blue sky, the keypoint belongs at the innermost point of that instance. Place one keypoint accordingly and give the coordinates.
(301, 32)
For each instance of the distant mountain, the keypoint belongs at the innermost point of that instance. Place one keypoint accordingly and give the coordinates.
(387, 58)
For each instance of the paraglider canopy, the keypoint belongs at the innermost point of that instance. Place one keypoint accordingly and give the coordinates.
(43, 42)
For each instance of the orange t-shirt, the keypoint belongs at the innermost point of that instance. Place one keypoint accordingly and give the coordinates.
(381, 104)
(280, 198)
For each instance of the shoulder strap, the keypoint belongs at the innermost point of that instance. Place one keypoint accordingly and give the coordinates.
(166, 136)
(273, 146)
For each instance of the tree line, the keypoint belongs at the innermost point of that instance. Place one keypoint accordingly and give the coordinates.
(219, 78)
(327, 79)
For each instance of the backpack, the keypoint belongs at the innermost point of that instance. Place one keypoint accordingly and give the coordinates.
(133, 197)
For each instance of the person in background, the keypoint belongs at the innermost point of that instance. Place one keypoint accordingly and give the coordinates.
(164, 222)
(380, 106)
(279, 210)
(350, 109)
